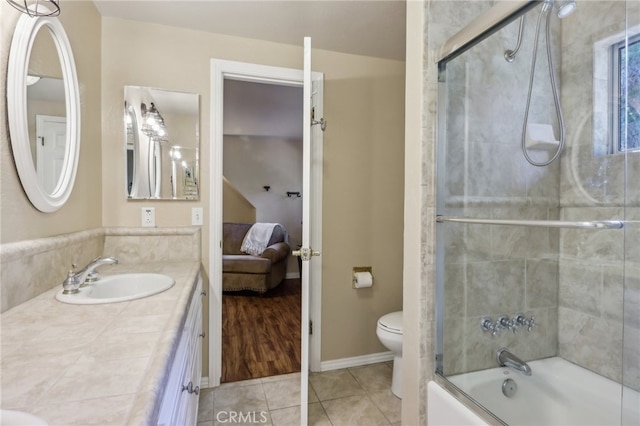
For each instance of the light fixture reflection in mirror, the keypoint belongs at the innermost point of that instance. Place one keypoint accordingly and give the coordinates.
(161, 132)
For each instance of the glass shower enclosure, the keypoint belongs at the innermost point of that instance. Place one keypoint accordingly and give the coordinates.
(538, 214)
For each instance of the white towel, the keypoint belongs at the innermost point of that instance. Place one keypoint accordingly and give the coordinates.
(257, 238)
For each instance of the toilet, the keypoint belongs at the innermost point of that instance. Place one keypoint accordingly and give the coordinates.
(389, 332)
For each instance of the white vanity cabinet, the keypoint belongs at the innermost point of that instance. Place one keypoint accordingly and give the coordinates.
(180, 401)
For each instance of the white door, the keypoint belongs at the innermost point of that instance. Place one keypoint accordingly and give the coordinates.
(305, 250)
(51, 142)
(311, 232)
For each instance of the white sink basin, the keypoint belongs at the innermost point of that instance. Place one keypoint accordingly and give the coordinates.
(18, 418)
(119, 288)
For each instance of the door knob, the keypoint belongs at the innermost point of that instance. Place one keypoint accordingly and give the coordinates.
(305, 253)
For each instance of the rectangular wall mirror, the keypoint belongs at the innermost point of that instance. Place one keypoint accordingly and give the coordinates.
(162, 142)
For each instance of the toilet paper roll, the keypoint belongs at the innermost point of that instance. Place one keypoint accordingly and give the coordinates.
(363, 279)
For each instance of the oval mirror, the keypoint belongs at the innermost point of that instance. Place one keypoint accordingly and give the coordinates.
(43, 110)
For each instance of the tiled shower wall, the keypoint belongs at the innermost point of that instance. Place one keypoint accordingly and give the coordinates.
(599, 292)
(497, 270)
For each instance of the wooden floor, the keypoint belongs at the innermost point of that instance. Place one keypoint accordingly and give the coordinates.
(261, 333)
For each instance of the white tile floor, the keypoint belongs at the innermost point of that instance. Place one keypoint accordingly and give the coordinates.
(352, 396)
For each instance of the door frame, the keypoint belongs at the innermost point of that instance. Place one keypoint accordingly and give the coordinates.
(221, 70)
(42, 128)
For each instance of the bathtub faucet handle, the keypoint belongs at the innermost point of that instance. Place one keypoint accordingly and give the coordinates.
(531, 323)
(486, 324)
(521, 320)
(506, 323)
(496, 328)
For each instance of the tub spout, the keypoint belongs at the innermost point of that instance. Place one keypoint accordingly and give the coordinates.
(507, 359)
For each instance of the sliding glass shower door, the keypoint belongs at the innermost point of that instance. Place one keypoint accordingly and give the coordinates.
(537, 264)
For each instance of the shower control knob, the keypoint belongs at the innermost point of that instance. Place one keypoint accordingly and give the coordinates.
(531, 323)
(496, 328)
(506, 323)
(486, 324)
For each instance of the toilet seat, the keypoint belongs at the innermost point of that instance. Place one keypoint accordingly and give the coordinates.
(391, 323)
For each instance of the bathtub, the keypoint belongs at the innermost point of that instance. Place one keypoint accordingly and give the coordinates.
(557, 393)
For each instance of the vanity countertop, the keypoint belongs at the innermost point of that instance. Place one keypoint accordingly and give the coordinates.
(94, 364)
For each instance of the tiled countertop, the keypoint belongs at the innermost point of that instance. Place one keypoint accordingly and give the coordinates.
(94, 364)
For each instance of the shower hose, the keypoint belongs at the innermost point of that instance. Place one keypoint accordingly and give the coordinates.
(545, 12)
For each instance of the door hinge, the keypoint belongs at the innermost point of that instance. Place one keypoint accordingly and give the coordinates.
(322, 122)
(310, 327)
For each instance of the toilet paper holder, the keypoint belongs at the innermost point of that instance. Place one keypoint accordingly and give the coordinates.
(356, 270)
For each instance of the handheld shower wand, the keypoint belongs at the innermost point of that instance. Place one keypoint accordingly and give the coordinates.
(564, 9)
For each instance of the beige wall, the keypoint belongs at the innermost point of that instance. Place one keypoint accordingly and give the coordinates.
(235, 207)
(363, 159)
(19, 219)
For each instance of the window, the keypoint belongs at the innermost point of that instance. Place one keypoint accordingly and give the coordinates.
(625, 92)
(616, 93)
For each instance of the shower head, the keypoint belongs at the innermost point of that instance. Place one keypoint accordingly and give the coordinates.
(565, 8)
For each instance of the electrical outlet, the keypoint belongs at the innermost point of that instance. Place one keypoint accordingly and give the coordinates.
(149, 216)
(196, 216)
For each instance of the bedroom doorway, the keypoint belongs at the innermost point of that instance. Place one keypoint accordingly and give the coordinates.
(262, 170)
(222, 71)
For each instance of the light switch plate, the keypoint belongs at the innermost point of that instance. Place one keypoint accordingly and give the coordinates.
(196, 216)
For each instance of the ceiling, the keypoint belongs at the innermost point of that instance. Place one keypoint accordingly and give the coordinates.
(256, 109)
(361, 27)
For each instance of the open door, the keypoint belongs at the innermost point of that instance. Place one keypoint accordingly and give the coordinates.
(307, 251)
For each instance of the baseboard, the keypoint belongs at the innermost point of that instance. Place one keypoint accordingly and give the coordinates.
(356, 361)
(292, 275)
(337, 364)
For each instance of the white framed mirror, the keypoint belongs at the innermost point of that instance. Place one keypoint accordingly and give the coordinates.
(46, 158)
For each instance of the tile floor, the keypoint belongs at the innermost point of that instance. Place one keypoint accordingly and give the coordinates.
(352, 396)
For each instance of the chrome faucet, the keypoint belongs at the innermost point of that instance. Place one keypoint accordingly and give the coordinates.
(507, 359)
(89, 274)
(86, 275)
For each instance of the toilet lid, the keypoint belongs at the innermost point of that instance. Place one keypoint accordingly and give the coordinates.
(392, 322)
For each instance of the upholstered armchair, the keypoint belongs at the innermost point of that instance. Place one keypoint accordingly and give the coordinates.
(242, 271)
